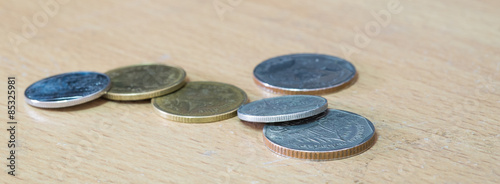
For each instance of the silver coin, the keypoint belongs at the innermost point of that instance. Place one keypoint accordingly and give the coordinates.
(67, 89)
(304, 73)
(334, 134)
(283, 108)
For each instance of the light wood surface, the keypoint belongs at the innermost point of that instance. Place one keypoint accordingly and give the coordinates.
(429, 79)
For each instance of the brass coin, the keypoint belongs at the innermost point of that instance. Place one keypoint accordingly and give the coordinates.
(140, 82)
(200, 102)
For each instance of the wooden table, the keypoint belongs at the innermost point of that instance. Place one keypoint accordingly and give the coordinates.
(428, 78)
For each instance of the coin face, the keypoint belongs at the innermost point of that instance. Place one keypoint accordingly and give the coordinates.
(283, 108)
(304, 74)
(333, 135)
(67, 89)
(141, 82)
(199, 102)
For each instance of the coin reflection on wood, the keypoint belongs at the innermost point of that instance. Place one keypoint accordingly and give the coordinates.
(335, 134)
(140, 82)
(67, 89)
(200, 102)
(283, 108)
(304, 74)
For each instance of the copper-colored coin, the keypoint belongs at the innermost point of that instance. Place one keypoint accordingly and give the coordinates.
(334, 134)
(140, 82)
(200, 102)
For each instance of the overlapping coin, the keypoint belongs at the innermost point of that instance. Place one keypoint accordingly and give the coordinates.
(200, 102)
(283, 108)
(335, 134)
(67, 89)
(304, 74)
(140, 82)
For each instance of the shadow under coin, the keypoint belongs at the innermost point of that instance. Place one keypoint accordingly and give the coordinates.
(146, 101)
(252, 125)
(84, 106)
(347, 84)
(260, 126)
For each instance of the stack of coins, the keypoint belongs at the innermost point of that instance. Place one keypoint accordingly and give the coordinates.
(302, 126)
(172, 96)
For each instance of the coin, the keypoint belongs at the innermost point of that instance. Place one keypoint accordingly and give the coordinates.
(283, 108)
(67, 89)
(200, 102)
(334, 134)
(140, 82)
(304, 74)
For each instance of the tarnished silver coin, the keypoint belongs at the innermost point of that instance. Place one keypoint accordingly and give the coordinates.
(67, 89)
(304, 74)
(334, 134)
(283, 108)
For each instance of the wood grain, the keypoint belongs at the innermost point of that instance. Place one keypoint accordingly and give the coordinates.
(429, 79)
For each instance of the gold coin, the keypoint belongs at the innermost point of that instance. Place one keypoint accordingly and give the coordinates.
(200, 102)
(140, 82)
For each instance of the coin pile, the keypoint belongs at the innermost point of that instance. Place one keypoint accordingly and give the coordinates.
(302, 126)
(298, 125)
(172, 97)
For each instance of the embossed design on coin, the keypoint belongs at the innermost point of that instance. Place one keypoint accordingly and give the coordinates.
(304, 74)
(141, 82)
(333, 135)
(283, 108)
(199, 102)
(67, 89)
